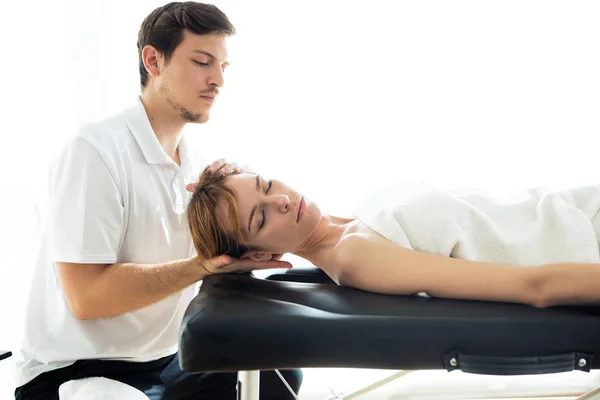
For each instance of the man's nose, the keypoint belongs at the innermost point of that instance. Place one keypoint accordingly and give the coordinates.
(216, 77)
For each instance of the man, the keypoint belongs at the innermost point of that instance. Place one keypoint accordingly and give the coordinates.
(117, 268)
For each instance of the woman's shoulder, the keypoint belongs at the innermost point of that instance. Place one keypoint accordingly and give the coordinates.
(358, 241)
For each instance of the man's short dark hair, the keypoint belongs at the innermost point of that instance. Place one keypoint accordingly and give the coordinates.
(163, 28)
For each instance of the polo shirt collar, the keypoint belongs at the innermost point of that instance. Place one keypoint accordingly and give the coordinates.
(139, 125)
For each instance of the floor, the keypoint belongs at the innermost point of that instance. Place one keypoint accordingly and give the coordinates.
(321, 384)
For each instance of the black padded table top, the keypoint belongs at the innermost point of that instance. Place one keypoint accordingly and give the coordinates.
(241, 322)
(5, 354)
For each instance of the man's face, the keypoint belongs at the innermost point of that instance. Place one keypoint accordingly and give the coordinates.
(191, 80)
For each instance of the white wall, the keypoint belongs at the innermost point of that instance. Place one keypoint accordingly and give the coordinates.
(338, 96)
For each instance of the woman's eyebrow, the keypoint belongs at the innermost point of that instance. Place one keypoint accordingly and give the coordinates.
(253, 211)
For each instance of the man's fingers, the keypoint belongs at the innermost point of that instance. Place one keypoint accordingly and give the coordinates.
(246, 169)
(224, 167)
(248, 265)
(229, 168)
(217, 264)
(216, 165)
(220, 166)
(280, 264)
(226, 264)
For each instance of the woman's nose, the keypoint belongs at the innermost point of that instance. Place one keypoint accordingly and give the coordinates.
(281, 201)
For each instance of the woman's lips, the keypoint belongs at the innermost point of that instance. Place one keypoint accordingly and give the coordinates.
(301, 208)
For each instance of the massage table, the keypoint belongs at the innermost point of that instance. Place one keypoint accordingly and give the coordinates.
(301, 319)
(5, 354)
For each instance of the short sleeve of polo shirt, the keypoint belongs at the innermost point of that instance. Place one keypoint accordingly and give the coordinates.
(86, 213)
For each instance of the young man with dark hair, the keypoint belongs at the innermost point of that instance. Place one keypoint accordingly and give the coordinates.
(117, 266)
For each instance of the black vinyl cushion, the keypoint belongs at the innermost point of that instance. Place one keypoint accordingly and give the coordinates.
(5, 354)
(301, 319)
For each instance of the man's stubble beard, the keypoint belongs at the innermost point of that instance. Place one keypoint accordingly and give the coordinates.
(184, 113)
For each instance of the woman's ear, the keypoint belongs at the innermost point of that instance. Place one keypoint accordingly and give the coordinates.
(258, 256)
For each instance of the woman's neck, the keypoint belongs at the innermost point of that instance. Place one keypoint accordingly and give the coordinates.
(326, 235)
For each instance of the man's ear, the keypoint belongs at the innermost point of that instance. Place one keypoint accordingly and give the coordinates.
(151, 60)
(259, 256)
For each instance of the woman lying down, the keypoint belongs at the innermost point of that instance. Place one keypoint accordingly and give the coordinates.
(412, 238)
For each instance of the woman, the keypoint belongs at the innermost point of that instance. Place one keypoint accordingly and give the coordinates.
(412, 238)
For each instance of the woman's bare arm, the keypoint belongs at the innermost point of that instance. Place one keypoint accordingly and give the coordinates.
(370, 262)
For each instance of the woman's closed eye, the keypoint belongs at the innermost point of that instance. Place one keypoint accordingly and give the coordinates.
(264, 219)
(263, 211)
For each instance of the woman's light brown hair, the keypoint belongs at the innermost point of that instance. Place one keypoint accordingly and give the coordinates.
(210, 236)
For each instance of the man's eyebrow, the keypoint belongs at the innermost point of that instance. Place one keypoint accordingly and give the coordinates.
(206, 53)
(255, 206)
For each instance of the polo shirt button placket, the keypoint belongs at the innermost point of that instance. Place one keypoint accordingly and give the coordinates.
(178, 186)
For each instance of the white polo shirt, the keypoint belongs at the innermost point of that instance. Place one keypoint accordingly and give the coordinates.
(115, 196)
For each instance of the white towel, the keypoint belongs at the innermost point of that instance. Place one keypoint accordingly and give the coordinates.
(98, 388)
(530, 227)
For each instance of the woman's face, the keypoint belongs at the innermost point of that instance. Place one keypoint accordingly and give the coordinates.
(273, 217)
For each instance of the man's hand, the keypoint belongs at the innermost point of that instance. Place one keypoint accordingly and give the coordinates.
(226, 264)
(223, 167)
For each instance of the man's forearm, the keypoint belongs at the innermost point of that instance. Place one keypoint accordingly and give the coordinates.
(121, 288)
